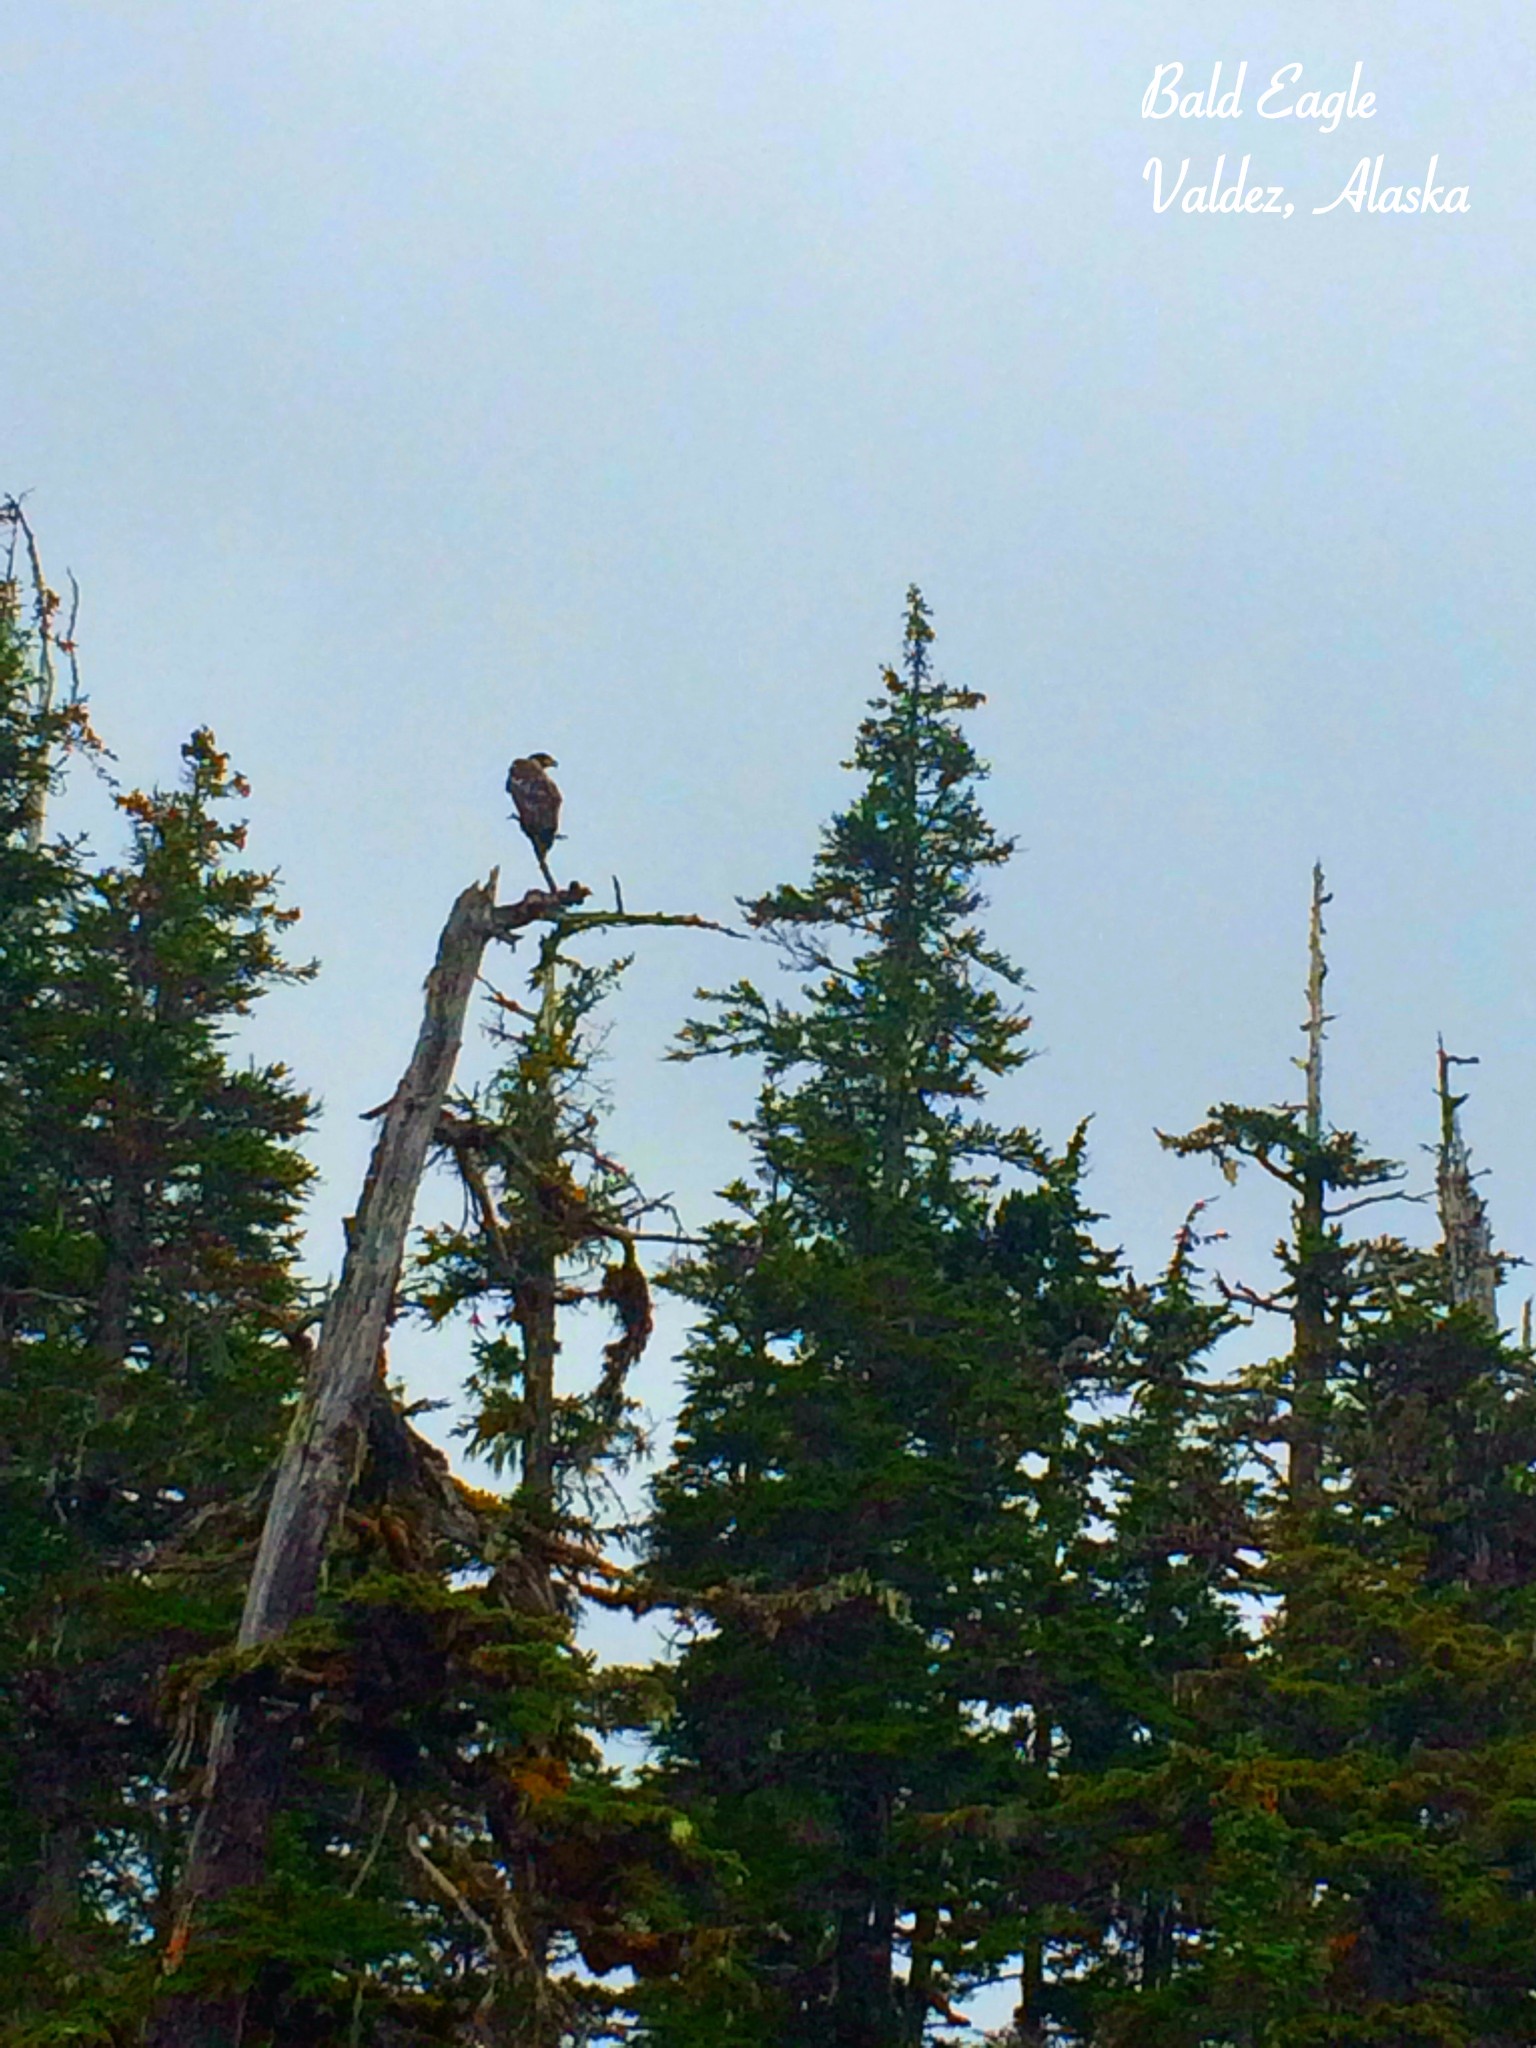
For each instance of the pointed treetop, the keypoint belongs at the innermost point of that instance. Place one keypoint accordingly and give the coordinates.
(901, 858)
(1291, 1141)
(919, 632)
(1472, 1265)
(1317, 1019)
(901, 993)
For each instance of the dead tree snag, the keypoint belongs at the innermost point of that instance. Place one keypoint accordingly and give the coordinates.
(252, 1735)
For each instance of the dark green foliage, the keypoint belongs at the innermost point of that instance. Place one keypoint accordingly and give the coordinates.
(1372, 1841)
(875, 1478)
(550, 1223)
(572, 1871)
(1019, 1634)
(1165, 1574)
(41, 886)
(452, 1845)
(150, 1196)
(1325, 1274)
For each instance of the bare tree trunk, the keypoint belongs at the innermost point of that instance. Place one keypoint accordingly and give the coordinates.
(1471, 1261)
(864, 2010)
(252, 1737)
(44, 604)
(116, 1298)
(1312, 1353)
(536, 1316)
(1026, 2014)
(916, 2005)
(864, 2013)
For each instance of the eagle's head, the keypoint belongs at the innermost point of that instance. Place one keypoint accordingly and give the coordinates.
(544, 761)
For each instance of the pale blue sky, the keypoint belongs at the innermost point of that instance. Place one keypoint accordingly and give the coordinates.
(410, 386)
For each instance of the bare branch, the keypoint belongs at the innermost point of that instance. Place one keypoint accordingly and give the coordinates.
(390, 1803)
(249, 1749)
(44, 604)
(1365, 1201)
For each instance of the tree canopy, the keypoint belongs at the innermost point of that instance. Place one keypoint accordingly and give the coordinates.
(1018, 1621)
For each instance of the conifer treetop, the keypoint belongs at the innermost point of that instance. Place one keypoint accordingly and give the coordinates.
(904, 1005)
(1472, 1264)
(1293, 1142)
(898, 865)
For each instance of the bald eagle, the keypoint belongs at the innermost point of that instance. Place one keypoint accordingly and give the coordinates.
(536, 801)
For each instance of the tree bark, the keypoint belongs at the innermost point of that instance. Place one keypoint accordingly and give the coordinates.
(1312, 1353)
(1312, 1359)
(536, 1319)
(864, 2011)
(1026, 2014)
(1471, 1261)
(253, 1735)
(44, 604)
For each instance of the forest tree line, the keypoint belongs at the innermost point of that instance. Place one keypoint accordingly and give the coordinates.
(1021, 1631)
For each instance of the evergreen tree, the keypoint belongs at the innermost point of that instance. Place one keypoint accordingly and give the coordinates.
(1166, 1572)
(1325, 1274)
(150, 1203)
(452, 1848)
(962, 1528)
(38, 885)
(551, 1224)
(1370, 1868)
(875, 1481)
(589, 1866)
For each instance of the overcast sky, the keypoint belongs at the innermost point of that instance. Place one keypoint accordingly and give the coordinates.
(409, 386)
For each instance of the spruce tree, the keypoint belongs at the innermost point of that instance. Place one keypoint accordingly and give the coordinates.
(1370, 1861)
(38, 884)
(1167, 1568)
(1329, 1176)
(875, 1481)
(551, 1222)
(454, 1857)
(586, 1867)
(152, 1187)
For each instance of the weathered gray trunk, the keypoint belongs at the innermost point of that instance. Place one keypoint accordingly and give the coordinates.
(319, 1462)
(1472, 1263)
(253, 1734)
(45, 602)
(1312, 1358)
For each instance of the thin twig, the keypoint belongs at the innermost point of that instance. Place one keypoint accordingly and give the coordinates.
(1365, 1201)
(378, 1842)
(67, 644)
(445, 1888)
(44, 602)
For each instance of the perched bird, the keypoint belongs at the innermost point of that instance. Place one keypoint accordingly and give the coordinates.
(537, 803)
